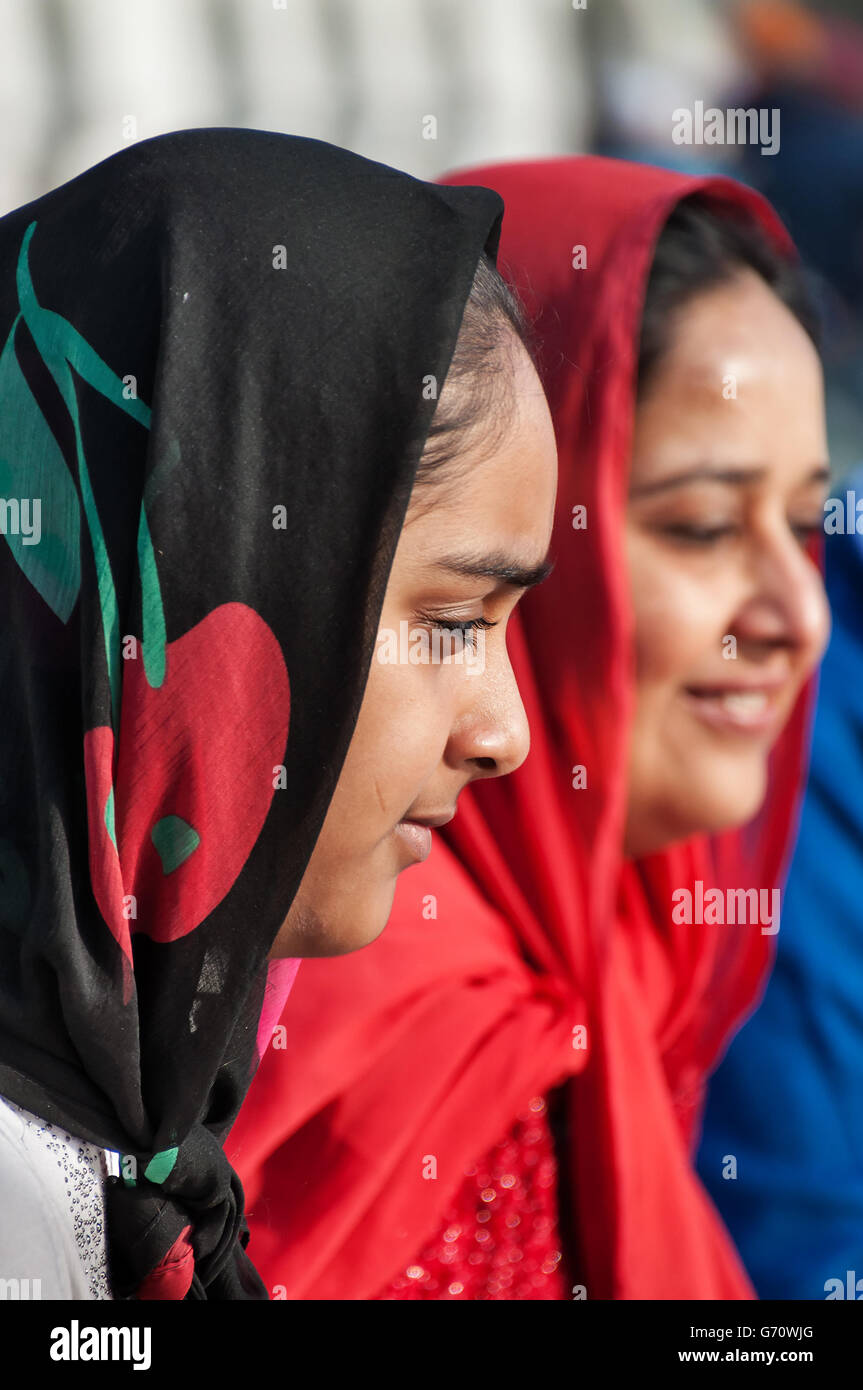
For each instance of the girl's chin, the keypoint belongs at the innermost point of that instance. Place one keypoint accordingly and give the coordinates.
(342, 929)
(354, 938)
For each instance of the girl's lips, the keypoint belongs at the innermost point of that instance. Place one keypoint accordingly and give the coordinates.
(417, 838)
(743, 710)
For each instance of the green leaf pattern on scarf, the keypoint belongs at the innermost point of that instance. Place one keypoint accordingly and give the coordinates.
(25, 436)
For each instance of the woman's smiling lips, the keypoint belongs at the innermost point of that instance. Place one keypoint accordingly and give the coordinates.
(416, 833)
(738, 707)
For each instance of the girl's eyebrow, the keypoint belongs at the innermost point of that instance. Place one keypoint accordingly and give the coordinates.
(737, 477)
(497, 565)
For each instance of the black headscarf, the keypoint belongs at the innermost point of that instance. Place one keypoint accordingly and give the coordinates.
(215, 381)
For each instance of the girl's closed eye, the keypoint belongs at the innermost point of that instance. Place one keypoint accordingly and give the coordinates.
(468, 626)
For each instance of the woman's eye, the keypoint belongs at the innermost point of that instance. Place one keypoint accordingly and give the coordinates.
(708, 535)
(698, 535)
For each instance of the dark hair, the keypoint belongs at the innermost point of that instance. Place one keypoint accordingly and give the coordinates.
(480, 371)
(700, 248)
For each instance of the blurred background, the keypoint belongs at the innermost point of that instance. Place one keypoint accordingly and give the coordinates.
(429, 85)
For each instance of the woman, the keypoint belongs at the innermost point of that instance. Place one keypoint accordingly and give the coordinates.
(786, 1099)
(223, 356)
(499, 1098)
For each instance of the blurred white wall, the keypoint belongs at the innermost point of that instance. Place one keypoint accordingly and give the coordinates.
(425, 85)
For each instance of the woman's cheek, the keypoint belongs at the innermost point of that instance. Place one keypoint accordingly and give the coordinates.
(658, 612)
(653, 608)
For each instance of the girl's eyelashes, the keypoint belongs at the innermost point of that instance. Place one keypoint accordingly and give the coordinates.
(468, 626)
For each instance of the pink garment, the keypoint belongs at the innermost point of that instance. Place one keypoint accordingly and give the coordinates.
(280, 981)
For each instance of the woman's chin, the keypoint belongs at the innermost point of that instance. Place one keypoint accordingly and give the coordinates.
(737, 795)
(713, 804)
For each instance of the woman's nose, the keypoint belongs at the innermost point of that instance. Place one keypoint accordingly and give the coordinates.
(789, 606)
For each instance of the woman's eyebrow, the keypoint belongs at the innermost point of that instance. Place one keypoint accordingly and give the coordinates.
(737, 477)
(497, 565)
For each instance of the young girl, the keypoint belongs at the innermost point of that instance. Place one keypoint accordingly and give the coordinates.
(499, 1099)
(223, 353)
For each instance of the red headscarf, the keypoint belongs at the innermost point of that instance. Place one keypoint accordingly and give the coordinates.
(429, 1041)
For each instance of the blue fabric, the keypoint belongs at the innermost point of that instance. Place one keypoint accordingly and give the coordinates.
(787, 1100)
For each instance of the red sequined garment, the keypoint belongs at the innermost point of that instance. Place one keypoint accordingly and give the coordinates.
(499, 1238)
